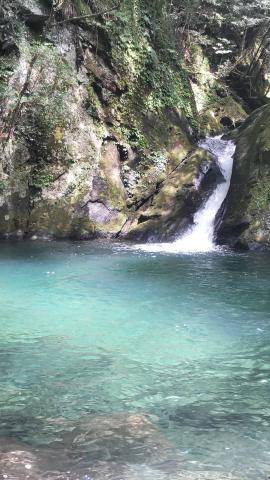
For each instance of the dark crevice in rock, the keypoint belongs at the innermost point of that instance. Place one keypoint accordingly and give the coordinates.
(230, 234)
(123, 152)
(109, 138)
(118, 234)
(227, 123)
(59, 176)
(33, 193)
(144, 200)
(143, 218)
(8, 46)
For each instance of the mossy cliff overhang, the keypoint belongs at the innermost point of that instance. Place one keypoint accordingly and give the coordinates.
(105, 133)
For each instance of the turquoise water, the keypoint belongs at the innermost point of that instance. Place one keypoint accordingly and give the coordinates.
(89, 330)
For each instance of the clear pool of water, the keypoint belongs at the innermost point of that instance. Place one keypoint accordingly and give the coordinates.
(92, 330)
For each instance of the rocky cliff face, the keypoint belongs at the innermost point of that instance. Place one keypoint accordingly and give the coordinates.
(96, 127)
(247, 219)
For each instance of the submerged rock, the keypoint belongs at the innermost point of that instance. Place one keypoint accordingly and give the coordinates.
(115, 471)
(122, 446)
(17, 462)
(143, 472)
(123, 437)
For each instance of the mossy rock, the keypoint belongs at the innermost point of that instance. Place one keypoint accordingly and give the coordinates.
(171, 207)
(247, 219)
(222, 115)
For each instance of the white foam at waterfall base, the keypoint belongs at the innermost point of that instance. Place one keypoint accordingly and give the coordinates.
(200, 236)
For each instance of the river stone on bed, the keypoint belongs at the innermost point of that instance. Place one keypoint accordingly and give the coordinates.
(17, 462)
(145, 472)
(123, 437)
(115, 471)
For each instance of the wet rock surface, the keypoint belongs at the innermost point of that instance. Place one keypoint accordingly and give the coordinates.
(246, 224)
(170, 209)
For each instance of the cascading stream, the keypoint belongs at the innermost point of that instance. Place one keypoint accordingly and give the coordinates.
(200, 236)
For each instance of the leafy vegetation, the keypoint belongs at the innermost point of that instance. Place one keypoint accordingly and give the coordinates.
(260, 199)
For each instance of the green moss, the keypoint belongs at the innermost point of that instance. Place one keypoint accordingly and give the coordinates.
(213, 98)
(157, 87)
(44, 118)
(152, 79)
(93, 104)
(215, 111)
(3, 186)
(169, 88)
(134, 135)
(81, 7)
(265, 135)
(260, 196)
(7, 65)
(42, 179)
(114, 196)
(157, 159)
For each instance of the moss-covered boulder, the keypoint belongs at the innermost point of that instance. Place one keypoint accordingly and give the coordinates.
(169, 210)
(219, 109)
(247, 220)
(221, 115)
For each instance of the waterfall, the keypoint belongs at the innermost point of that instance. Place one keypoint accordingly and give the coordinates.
(200, 236)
